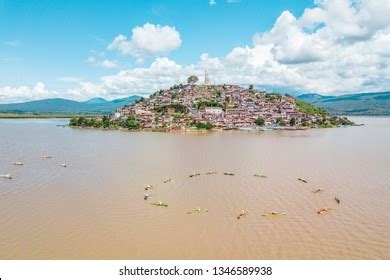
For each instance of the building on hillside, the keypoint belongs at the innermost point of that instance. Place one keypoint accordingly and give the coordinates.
(214, 110)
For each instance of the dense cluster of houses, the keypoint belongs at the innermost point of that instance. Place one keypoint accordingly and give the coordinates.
(224, 106)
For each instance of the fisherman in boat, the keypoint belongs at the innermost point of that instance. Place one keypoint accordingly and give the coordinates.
(274, 214)
(242, 214)
(6, 176)
(323, 210)
(302, 180)
(168, 179)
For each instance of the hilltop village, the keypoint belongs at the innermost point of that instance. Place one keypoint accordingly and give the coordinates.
(192, 106)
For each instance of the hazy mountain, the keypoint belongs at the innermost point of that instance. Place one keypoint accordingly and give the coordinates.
(372, 103)
(65, 106)
(97, 100)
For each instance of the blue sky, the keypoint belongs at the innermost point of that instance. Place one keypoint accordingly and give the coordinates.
(65, 45)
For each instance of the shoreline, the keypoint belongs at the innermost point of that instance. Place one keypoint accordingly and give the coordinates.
(214, 130)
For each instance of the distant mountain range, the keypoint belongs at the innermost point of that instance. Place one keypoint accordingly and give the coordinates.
(373, 103)
(65, 106)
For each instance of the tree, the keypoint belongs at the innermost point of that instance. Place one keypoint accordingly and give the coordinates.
(200, 125)
(192, 79)
(280, 121)
(260, 121)
(250, 87)
(293, 121)
(132, 123)
(74, 122)
(81, 121)
(106, 121)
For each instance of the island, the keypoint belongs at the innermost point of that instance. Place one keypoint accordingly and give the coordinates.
(193, 107)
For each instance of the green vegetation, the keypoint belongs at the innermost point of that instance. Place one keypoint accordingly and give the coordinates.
(192, 79)
(280, 121)
(293, 121)
(217, 93)
(208, 103)
(259, 121)
(105, 122)
(131, 123)
(200, 125)
(309, 109)
(178, 108)
(323, 123)
(273, 97)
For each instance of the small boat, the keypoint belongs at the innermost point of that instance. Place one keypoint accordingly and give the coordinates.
(228, 173)
(148, 187)
(159, 203)
(302, 180)
(194, 175)
(146, 196)
(63, 164)
(168, 179)
(274, 214)
(318, 190)
(337, 199)
(6, 176)
(242, 214)
(46, 157)
(211, 172)
(323, 210)
(197, 211)
(18, 163)
(260, 176)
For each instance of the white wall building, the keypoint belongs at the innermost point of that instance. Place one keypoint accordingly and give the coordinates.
(214, 110)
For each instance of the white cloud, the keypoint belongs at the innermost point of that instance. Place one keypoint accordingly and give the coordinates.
(109, 64)
(105, 63)
(214, 2)
(148, 40)
(25, 93)
(161, 73)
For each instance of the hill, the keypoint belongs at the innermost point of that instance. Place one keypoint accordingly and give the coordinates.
(369, 104)
(65, 106)
(222, 107)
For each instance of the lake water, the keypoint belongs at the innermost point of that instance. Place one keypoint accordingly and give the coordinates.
(94, 208)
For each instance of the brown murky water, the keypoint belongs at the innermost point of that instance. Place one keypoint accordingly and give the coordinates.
(94, 208)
